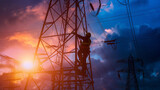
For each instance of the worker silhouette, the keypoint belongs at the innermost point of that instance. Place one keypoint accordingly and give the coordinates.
(84, 50)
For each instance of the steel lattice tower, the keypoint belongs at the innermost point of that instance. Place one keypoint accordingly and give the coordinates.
(132, 70)
(131, 74)
(56, 52)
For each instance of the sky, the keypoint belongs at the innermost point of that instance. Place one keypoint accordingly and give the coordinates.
(21, 22)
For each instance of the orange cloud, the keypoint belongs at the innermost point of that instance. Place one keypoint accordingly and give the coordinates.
(24, 38)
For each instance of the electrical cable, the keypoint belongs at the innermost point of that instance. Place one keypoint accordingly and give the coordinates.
(93, 33)
(98, 10)
(123, 3)
(119, 17)
(132, 30)
(131, 24)
(97, 14)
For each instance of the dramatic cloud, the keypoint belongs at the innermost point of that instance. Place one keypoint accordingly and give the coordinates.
(98, 40)
(21, 18)
(108, 61)
(24, 38)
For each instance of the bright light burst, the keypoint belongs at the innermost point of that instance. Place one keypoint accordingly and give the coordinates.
(27, 65)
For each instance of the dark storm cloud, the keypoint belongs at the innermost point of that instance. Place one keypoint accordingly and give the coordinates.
(105, 78)
(99, 68)
(148, 43)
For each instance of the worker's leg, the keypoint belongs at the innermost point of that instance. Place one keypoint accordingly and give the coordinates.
(80, 54)
(84, 66)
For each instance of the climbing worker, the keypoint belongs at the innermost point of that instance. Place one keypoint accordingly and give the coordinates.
(84, 50)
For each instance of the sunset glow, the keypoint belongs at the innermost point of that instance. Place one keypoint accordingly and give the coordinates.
(27, 65)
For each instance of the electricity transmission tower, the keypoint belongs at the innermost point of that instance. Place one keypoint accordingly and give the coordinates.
(131, 82)
(56, 52)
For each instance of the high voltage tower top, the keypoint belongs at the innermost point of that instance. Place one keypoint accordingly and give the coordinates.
(132, 70)
(56, 52)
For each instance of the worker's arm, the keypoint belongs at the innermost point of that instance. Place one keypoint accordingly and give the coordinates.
(79, 36)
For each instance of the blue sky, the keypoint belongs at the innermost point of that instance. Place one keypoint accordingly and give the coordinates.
(146, 22)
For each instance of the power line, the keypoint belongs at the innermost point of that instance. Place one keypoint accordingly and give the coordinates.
(98, 10)
(131, 25)
(140, 11)
(130, 22)
(101, 26)
(123, 3)
(126, 17)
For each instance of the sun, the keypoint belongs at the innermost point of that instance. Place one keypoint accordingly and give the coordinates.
(27, 65)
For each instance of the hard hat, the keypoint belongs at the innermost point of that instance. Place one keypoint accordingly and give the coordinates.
(88, 34)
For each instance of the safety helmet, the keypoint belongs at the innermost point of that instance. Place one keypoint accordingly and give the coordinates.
(88, 34)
